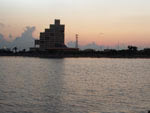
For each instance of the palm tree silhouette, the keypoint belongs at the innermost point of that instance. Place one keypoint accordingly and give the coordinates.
(15, 49)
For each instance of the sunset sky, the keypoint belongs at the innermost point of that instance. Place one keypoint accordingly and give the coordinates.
(105, 22)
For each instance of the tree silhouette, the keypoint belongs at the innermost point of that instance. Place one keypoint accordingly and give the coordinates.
(132, 48)
(15, 49)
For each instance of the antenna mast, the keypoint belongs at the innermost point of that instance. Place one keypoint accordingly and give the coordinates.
(77, 36)
(118, 46)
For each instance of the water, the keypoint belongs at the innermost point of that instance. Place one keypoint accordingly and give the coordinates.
(74, 85)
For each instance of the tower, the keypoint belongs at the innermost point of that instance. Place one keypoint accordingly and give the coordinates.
(77, 40)
(53, 37)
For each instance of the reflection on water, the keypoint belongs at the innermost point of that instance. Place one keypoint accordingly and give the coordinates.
(74, 85)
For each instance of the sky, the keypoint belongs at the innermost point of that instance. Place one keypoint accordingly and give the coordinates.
(105, 22)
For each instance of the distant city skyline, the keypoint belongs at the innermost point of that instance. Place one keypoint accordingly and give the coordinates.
(105, 22)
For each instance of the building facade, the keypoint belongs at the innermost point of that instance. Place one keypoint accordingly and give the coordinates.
(52, 38)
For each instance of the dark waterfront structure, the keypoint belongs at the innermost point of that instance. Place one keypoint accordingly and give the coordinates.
(52, 38)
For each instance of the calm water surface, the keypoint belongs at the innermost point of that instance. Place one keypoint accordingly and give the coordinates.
(74, 85)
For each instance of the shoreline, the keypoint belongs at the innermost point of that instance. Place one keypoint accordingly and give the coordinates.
(77, 56)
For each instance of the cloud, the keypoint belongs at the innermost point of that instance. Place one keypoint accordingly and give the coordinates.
(101, 34)
(71, 44)
(2, 25)
(10, 36)
(92, 45)
(3, 42)
(25, 41)
(95, 46)
(1, 36)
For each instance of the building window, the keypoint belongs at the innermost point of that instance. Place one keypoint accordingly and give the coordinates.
(62, 31)
(52, 34)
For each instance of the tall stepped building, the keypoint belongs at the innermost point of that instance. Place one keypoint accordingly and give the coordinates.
(52, 38)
